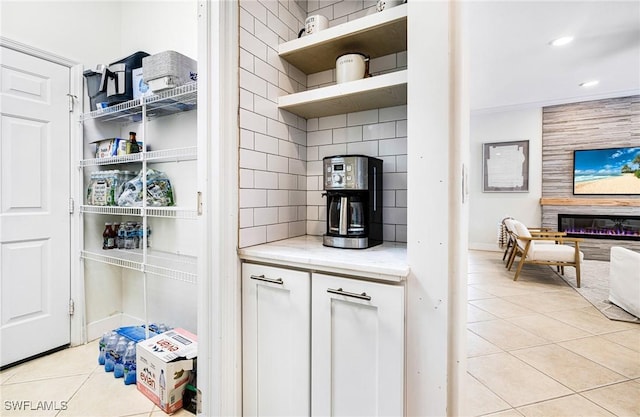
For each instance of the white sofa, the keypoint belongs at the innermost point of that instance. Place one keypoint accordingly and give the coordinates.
(624, 279)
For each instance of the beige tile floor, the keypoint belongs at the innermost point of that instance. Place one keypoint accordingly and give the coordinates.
(535, 348)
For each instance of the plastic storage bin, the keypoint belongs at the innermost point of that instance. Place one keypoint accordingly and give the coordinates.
(168, 69)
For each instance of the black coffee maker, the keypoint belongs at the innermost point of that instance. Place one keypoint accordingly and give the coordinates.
(353, 185)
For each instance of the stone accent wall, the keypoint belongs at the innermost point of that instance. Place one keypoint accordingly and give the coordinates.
(587, 125)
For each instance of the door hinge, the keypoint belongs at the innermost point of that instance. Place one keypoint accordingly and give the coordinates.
(71, 97)
(72, 307)
(72, 205)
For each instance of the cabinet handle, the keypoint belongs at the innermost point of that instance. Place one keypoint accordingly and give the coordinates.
(339, 291)
(265, 279)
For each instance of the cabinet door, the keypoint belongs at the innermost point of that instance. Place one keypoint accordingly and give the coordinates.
(276, 336)
(357, 348)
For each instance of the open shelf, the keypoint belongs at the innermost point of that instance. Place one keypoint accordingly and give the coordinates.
(175, 100)
(166, 264)
(370, 93)
(375, 35)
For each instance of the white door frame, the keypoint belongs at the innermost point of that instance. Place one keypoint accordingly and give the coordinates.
(78, 327)
(219, 314)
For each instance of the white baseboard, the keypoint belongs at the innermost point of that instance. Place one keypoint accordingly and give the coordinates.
(493, 247)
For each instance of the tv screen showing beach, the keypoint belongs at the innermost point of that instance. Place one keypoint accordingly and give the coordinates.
(607, 171)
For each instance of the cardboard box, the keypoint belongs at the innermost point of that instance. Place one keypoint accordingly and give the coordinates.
(164, 363)
(107, 147)
(140, 88)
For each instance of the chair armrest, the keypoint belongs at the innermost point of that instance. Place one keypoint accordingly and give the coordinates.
(548, 234)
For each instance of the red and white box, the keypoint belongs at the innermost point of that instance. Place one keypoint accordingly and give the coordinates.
(164, 364)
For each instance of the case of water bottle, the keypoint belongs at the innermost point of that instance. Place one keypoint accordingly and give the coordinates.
(164, 364)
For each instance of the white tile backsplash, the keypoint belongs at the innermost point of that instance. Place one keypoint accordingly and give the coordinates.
(348, 134)
(246, 178)
(277, 163)
(281, 153)
(253, 45)
(319, 137)
(362, 117)
(393, 146)
(252, 236)
(264, 216)
(369, 148)
(332, 122)
(265, 180)
(277, 129)
(252, 121)
(253, 198)
(277, 231)
(264, 33)
(379, 131)
(253, 83)
(277, 198)
(253, 160)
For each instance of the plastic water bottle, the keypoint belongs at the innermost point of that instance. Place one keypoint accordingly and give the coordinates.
(110, 348)
(130, 364)
(102, 347)
(118, 367)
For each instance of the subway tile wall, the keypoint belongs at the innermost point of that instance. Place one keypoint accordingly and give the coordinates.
(281, 153)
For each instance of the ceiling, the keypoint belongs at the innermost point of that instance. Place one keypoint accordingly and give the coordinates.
(513, 66)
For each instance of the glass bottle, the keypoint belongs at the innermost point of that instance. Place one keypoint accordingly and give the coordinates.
(132, 145)
(105, 236)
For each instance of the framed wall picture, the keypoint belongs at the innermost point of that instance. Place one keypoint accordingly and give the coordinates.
(505, 167)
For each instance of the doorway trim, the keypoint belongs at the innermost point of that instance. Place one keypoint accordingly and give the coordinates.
(77, 319)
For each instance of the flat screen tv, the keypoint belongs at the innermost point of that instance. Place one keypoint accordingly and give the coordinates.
(607, 171)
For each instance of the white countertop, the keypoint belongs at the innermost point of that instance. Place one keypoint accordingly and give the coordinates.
(386, 262)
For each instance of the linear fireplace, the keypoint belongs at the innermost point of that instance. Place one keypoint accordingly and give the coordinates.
(600, 226)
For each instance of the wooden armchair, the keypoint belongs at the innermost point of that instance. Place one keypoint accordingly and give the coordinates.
(545, 248)
(510, 248)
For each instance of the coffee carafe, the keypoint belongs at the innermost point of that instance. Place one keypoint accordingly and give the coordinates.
(353, 185)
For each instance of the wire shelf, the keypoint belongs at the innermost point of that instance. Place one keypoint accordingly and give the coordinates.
(112, 210)
(165, 155)
(165, 264)
(175, 100)
(171, 212)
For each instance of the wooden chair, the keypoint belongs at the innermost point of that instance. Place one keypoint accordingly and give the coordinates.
(546, 248)
(510, 247)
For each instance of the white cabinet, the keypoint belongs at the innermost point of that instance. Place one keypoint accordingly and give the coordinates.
(357, 347)
(320, 345)
(276, 337)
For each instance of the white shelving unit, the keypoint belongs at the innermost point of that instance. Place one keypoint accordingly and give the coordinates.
(150, 262)
(375, 35)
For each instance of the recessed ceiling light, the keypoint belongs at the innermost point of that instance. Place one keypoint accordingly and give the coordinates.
(589, 83)
(561, 41)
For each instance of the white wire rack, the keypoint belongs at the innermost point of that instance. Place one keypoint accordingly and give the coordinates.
(166, 212)
(176, 100)
(165, 155)
(112, 210)
(165, 264)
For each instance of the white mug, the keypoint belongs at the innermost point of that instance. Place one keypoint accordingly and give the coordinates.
(315, 23)
(386, 4)
(351, 67)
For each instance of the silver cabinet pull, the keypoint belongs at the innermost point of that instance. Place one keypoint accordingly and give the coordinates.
(339, 291)
(265, 279)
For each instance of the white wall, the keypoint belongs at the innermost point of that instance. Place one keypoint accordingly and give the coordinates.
(488, 209)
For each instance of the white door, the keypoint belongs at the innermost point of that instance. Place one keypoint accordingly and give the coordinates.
(34, 206)
(276, 337)
(357, 339)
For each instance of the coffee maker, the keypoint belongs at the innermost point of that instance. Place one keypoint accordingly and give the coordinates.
(353, 185)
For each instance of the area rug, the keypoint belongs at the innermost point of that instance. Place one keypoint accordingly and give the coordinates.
(594, 287)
